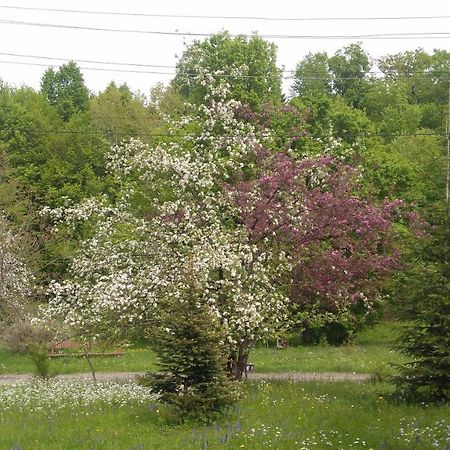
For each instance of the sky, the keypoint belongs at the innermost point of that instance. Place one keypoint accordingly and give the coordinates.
(18, 37)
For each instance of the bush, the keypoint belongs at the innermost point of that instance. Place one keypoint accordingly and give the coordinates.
(39, 355)
(18, 336)
(33, 340)
(339, 327)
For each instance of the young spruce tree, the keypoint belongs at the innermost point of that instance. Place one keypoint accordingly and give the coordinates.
(427, 340)
(191, 347)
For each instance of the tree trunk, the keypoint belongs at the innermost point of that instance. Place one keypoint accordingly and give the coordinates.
(238, 361)
(86, 349)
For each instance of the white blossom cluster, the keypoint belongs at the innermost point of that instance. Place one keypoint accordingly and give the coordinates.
(16, 280)
(52, 396)
(130, 265)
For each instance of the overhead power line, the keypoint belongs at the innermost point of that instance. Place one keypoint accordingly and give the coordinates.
(174, 135)
(102, 69)
(308, 76)
(89, 61)
(437, 76)
(195, 16)
(379, 36)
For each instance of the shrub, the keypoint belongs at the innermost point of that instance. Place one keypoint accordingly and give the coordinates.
(338, 327)
(39, 355)
(18, 336)
(27, 338)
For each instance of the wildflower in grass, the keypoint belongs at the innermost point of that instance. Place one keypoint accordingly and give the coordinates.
(53, 395)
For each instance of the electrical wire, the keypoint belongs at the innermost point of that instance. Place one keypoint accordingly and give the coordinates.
(182, 135)
(443, 76)
(310, 75)
(102, 69)
(194, 16)
(89, 61)
(379, 36)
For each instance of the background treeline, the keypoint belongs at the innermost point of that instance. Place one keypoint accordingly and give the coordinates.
(388, 117)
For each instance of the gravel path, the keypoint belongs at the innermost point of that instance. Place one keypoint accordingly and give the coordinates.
(255, 376)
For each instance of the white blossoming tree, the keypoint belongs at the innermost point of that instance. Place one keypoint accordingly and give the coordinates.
(16, 280)
(256, 230)
(137, 259)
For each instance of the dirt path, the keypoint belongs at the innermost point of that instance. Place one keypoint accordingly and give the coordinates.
(255, 376)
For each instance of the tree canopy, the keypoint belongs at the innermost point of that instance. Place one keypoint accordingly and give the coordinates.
(257, 82)
(65, 90)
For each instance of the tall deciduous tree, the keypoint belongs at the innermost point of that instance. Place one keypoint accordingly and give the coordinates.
(65, 90)
(409, 69)
(313, 76)
(349, 67)
(344, 73)
(120, 114)
(259, 79)
(423, 80)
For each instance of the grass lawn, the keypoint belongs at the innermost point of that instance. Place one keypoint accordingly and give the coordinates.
(279, 415)
(134, 360)
(370, 353)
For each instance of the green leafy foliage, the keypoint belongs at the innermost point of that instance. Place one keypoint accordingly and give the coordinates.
(119, 115)
(259, 82)
(65, 90)
(344, 74)
(349, 66)
(39, 355)
(312, 76)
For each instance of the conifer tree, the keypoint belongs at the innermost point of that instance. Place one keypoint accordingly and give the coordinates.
(191, 349)
(427, 340)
